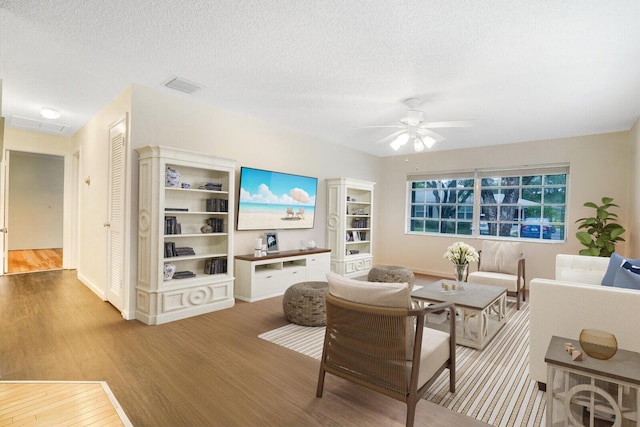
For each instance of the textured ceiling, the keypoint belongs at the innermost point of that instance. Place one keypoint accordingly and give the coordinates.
(524, 70)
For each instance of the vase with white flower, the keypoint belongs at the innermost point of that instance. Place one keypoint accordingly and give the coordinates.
(461, 254)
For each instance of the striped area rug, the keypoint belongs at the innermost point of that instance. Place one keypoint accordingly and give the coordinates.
(492, 385)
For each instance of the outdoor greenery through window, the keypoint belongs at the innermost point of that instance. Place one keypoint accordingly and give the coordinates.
(527, 204)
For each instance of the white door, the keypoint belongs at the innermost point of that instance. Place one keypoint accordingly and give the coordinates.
(115, 224)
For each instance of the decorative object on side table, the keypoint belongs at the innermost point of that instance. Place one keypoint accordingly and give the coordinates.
(576, 355)
(598, 344)
(461, 254)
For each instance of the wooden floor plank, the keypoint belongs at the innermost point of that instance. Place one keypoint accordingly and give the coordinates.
(202, 371)
(52, 403)
(31, 260)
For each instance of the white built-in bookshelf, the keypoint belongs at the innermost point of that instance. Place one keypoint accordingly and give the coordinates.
(171, 218)
(350, 225)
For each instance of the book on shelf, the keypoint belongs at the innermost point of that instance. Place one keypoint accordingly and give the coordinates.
(170, 250)
(176, 209)
(212, 186)
(217, 225)
(215, 265)
(183, 274)
(171, 225)
(182, 251)
(360, 223)
(217, 205)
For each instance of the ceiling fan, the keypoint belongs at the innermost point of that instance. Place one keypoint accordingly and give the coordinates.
(414, 128)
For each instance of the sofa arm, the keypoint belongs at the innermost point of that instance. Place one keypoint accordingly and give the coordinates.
(564, 309)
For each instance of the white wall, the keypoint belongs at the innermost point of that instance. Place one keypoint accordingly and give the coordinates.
(177, 121)
(36, 188)
(93, 146)
(598, 167)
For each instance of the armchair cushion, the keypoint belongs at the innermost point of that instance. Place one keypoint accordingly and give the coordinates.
(500, 257)
(374, 293)
(508, 281)
(435, 352)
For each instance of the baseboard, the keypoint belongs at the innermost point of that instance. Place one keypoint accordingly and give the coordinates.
(96, 290)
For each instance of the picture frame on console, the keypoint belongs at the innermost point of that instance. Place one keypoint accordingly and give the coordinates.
(271, 239)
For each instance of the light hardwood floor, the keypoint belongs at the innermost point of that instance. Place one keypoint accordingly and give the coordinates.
(29, 260)
(209, 370)
(49, 403)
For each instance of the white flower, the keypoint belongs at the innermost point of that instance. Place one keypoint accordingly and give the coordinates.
(461, 253)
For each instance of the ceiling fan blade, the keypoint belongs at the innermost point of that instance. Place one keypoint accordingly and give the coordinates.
(390, 137)
(449, 124)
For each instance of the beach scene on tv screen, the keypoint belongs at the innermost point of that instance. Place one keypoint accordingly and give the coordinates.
(274, 200)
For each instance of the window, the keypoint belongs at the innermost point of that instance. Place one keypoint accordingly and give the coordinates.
(443, 206)
(524, 204)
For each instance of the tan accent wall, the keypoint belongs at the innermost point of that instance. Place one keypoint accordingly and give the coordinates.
(598, 167)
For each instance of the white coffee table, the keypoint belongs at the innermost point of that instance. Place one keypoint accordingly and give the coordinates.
(483, 303)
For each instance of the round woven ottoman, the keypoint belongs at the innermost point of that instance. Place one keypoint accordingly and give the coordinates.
(303, 303)
(391, 274)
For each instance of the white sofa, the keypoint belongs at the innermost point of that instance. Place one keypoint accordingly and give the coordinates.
(576, 301)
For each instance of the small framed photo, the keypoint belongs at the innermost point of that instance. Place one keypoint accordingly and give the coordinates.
(271, 238)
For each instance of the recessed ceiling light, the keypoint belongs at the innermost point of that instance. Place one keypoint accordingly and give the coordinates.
(50, 113)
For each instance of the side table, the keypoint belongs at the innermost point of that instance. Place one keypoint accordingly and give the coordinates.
(608, 389)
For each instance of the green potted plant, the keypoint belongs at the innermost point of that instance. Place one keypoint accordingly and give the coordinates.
(602, 232)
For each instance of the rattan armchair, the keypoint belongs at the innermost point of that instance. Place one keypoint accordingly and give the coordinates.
(382, 349)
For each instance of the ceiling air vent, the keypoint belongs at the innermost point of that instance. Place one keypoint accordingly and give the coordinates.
(30, 124)
(183, 85)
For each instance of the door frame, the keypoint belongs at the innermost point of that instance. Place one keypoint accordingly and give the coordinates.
(70, 205)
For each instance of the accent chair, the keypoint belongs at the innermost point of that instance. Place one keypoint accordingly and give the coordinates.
(375, 338)
(501, 264)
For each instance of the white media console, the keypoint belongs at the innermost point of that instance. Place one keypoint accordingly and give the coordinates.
(269, 276)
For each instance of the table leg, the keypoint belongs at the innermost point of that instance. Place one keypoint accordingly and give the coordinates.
(549, 395)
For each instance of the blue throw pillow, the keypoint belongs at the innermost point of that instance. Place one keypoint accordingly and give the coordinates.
(614, 265)
(628, 277)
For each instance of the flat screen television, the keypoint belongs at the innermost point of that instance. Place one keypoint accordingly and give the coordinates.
(272, 200)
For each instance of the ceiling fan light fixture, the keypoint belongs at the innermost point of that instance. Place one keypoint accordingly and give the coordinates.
(418, 145)
(50, 113)
(428, 141)
(399, 141)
